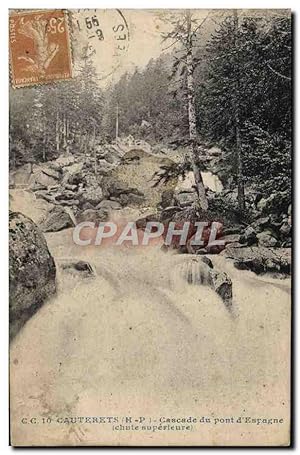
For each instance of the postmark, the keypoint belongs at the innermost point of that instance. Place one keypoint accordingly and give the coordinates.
(40, 48)
(104, 37)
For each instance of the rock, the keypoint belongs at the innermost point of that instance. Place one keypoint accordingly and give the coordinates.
(87, 205)
(57, 220)
(285, 230)
(70, 187)
(232, 230)
(169, 212)
(46, 196)
(108, 204)
(260, 259)
(207, 261)
(266, 240)
(64, 160)
(185, 198)
(262, 204)
(31, 270)
(69, 202)
(139, 170)
(249, 236)
(261, 223)
(48, 170)
(41, 179)
(67, 194)
(222, 285)
(81, 269)
(167, 198)
(93, 195)
(276, 202)
(95, 216)
(72, 173)
(131, 199)
(233, 238)
(21, 176)
(214, 151)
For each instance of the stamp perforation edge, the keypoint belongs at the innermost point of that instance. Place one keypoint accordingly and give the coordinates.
(69, 28)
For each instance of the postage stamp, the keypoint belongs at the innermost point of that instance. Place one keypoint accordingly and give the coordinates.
(40, 48)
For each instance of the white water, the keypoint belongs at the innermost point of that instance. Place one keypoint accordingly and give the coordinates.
(139, 340)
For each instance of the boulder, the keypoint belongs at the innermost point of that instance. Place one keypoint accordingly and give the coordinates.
(64, 160)
(185, 198)
(167, 198)
(169, 212)
(260, 259)
(57, 219)
(276, 202)
(261, 223)
(139, 170)
(87, 205)
(95, 216)
(266, 239)
(21, 176)
(285, 230)
(72, 173)
(207, 261)
(222, 285)
(80, 269)
(131, 199)
(92, 194)
(41, 179)
(31, 270)
(249, 236)
(108, 204)
(231, 238)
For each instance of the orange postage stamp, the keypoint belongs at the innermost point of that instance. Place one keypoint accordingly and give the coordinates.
(40, 49)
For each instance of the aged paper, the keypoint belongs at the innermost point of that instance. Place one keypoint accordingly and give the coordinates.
(150, 227)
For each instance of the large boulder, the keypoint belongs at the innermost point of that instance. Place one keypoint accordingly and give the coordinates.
(31, 270)
(135, 181)
(57, 219)
(21, 176)
(249, 236)
(94, 216)
(266, 239)
(260, 259)
(43, 176)
(92, 194)
(276, 202)
(108, 204)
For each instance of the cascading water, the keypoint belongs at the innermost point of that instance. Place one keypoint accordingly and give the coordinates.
(143, 332)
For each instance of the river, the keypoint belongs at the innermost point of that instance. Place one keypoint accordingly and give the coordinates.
(137, 339)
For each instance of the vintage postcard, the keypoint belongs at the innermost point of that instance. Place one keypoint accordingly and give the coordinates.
(150, 227)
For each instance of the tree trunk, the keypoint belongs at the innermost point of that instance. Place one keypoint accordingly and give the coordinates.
(57, 138)
(94, 148)
(67, 136)
(64, 132)
(117, 122)
(192, 117)
(238, 142)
